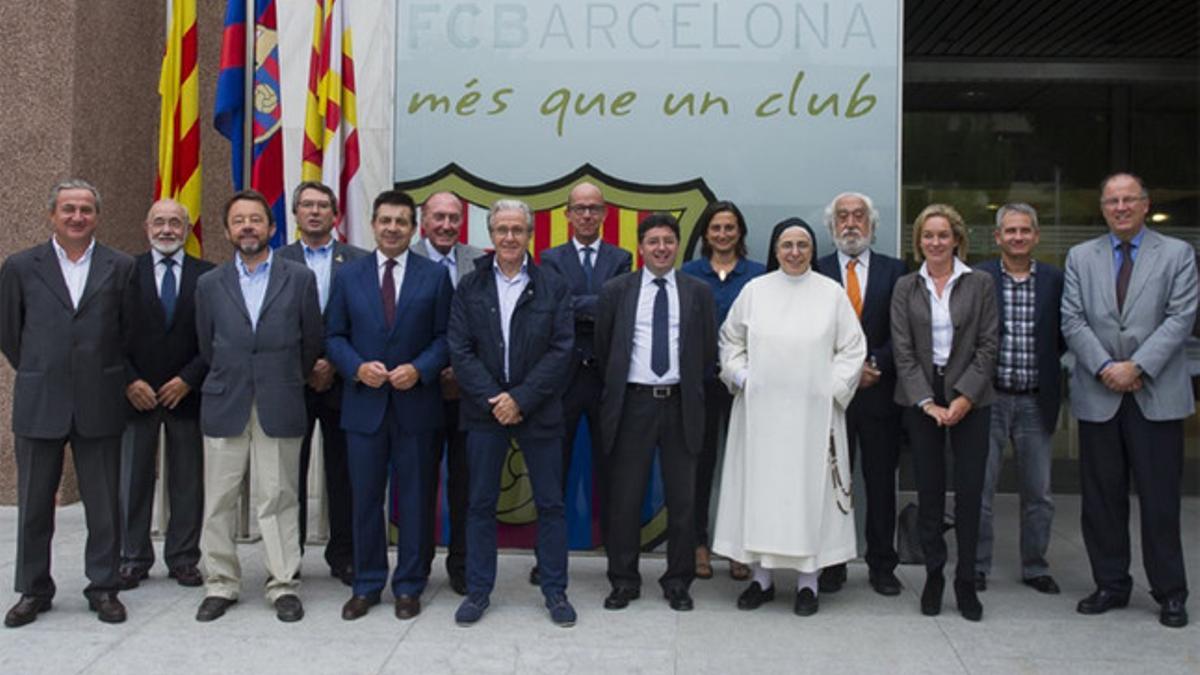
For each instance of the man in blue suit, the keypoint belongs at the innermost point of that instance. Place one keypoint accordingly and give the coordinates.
(386, 335)
(872, 420)
(510, 342)
(1028, 295)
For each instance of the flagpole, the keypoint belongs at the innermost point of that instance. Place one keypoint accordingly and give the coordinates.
(248, 90)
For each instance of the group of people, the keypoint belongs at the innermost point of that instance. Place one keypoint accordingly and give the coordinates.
(422, 349)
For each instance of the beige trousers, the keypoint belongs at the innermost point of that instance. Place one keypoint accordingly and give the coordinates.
(274, 465)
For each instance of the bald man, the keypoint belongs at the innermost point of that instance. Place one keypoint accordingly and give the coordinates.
(164, 393)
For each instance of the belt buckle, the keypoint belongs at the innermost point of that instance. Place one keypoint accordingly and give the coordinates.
(660, 392)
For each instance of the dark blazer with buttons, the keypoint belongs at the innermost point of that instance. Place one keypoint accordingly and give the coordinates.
(158, 352)
(972, 363)
(541, 334)
(70, 363)
(356, 332)
(1048, 342)
(267, 365)
(610, 261)
(876, 318)
(616, 314)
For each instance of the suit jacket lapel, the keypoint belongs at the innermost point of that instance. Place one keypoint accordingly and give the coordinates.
(1143, 264)
(98, 273)
(368, 285)
(229, 279)
(873, 295)
(275, 283)
(629, 316)
(51, 273)
(150, 296)
(407, 283)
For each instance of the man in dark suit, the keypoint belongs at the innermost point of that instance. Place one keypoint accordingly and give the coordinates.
(1129, 303)
(441, 227)
(655, 337)
(1028, 295)
(510, 342)
(386, 334)
(165, 394)
(61, 328)
(315, 206)
(258, 320)
(873, 419)
(585, 262)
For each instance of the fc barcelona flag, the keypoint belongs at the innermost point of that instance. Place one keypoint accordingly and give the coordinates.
(266, 165)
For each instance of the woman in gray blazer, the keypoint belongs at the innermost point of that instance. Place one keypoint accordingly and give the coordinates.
(944, 337)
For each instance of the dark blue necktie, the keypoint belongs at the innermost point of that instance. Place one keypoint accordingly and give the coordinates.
(660, 359)
(587, 266)
(168, 292)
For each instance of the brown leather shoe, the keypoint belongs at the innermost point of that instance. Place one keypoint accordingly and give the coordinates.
(703, 563)
(108, 608)
(186, 575)
(131, 577)
(358, 606)
(738, 571)
(407, 606)
(26, 610)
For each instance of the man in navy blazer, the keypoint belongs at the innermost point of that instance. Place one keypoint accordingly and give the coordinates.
(585, 262)
(316, 207)
(165, 393)
(510, 343)
(873, 419)
(1028, 295)
(386, 334)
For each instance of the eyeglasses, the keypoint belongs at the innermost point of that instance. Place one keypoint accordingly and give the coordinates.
(505, 232)
(1115, 202)
(592, 209)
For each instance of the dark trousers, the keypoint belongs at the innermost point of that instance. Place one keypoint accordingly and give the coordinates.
(486, 453)
(452, 443)
(968, 442)
(878, 440)
(1153, 452)
(185, 489)
(583, 398)
(647, 423)
(372, 459)
(339, 552)
(717, 405)
(39, 470)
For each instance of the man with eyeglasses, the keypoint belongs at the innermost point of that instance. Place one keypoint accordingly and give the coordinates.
(585, 263)
(165, 393)
(316, 209)
(1129, 302)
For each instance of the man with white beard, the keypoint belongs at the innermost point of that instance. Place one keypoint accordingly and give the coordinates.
(164, 392)
(872, 420)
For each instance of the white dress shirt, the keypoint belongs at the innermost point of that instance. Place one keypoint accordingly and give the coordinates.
(397, 271)
(595, 246)
(508, 292)
(643, 332)
(943, 327)
(75, 273)
(160, 270)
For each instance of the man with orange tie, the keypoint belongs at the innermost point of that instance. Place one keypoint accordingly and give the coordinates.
(873, 419)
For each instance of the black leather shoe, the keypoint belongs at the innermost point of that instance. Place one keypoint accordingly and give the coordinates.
(458, 583)
(679, 599)
(26, 610)
(1173, 614)
(621, 596)
(358, 606)
(107, 607)
(968, 602)
(186, 575)
(407, 607)
(754, 596)
(806, 603)
(288, 608)
(832, 579)
(1100, 601)
(213, 607)
(535, 577)
(886, 583)
(980, 582)
(931, 595)
(1043, 584)
(344, 572)
(132, 577)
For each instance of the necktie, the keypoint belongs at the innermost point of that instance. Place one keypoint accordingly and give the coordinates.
(587, 266)
(387, 293)
(852, 288)
(168, 293)
(1123, 274)
(450, 268)
(660, 359)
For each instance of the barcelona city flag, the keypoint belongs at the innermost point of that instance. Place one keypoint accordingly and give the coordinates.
(179, 119)
(266, 165)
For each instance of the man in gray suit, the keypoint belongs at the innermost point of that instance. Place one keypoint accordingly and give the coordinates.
(61, 328)
(258, 320)
(1129, 302)
(441, 227)
(316, 208)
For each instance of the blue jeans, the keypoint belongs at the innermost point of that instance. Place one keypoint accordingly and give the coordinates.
(1016, 417)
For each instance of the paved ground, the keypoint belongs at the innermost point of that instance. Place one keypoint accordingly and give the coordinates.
(856, 630)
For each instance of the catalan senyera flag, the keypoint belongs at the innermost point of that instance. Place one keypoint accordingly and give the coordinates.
(179, 119)
(266, 172)
(331, 153)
